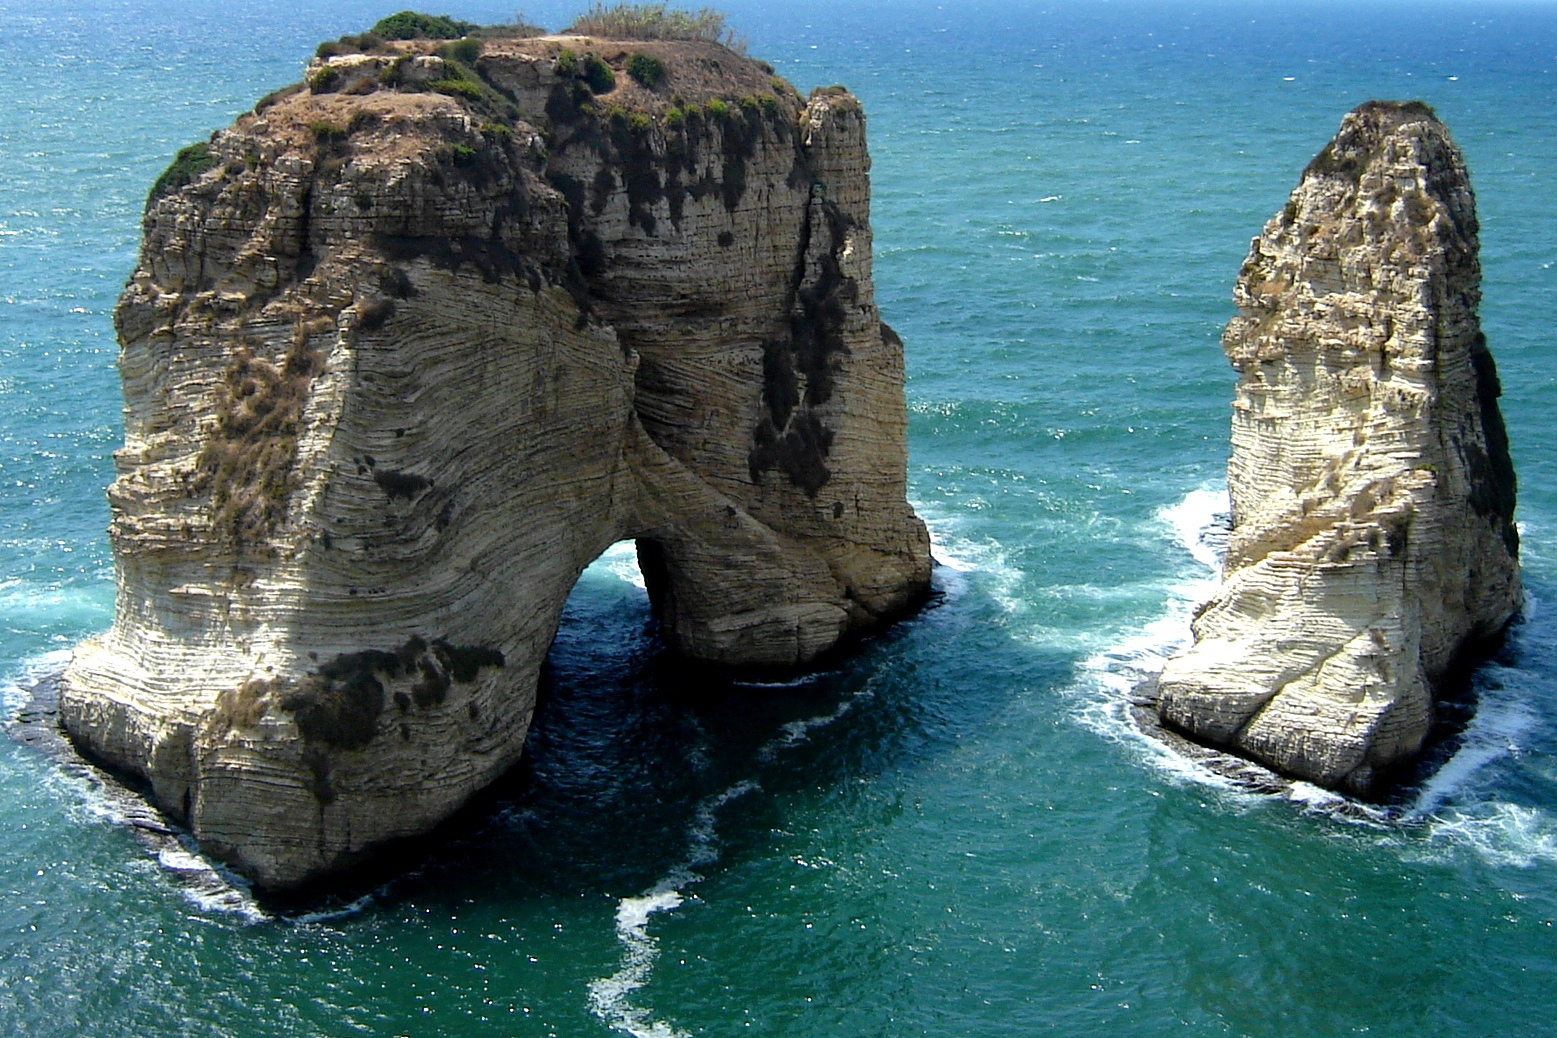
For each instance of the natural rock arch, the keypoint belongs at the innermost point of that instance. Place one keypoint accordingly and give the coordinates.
(401, 363)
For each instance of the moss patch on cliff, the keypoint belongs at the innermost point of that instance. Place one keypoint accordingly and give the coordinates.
(247, 463)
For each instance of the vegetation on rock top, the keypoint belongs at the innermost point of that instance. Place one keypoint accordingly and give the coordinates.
(1349, 153)
(655, 22)
(414, 25)
(185, 168)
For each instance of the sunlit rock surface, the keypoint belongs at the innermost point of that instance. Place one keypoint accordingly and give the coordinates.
(1373, 543)
(409, 347)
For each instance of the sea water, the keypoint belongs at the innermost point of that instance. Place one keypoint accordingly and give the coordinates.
(956, 830)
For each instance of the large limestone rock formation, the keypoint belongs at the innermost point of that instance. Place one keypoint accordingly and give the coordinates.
(410, 346)
(1373, 542)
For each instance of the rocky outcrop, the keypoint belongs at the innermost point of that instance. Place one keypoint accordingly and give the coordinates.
(1373, 542)
(409, 347)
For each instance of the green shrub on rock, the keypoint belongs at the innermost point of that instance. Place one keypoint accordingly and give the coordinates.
(645, 70)
(186, 168)
(465, 51)
(598, 75)
(324, 80)
(414, 25)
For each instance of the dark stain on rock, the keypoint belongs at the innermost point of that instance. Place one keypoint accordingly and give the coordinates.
(492, 257)
(396, 283)
(375, 313)
(1493, 485)
(400, 485)
(797, 373)
(605, 184)
(338, 705)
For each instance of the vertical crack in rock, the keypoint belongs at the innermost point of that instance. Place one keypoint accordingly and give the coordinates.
(406, 349)
(1373, 546)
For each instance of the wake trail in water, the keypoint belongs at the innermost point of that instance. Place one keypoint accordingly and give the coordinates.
(611, 998)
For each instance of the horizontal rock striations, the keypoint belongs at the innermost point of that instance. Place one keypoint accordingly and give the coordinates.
(1373, 541)
(409, 347)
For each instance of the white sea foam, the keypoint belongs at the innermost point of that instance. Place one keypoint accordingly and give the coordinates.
(702, 840)
(14, 686)
(619, 562)
(1462, 807)
(1496, 831)
(611, 997)
(798, 681)
(208, 887)
(958, 558)
(1455, 810)
(1198, 525)
(1495, 732)
(49, 604)
(330, 915)
(795, 732)
(622, 560)
(94, 796)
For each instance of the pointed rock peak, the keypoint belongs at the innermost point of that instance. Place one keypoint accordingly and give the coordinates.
(1364, 130)
(1373, 549)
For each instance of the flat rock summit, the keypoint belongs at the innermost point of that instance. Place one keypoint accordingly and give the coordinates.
(1373, 548)
(410, 346)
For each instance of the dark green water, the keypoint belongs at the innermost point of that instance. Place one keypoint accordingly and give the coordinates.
(956, 831)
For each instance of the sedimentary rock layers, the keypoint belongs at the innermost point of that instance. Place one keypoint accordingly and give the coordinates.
(1373, 541)
(408, 348)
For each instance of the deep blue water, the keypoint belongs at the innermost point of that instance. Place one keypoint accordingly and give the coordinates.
(954, 832)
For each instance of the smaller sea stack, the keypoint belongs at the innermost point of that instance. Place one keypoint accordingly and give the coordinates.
(1373, 546)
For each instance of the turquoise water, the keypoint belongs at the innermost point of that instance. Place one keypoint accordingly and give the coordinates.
(954, 832)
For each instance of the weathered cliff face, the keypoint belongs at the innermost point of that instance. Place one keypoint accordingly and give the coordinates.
(1373, 542)
(424, 340)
